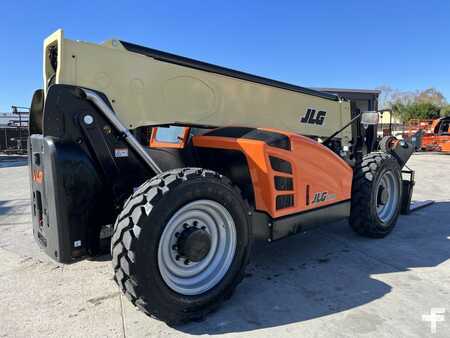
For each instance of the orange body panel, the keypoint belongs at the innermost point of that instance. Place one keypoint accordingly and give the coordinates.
(316, 171)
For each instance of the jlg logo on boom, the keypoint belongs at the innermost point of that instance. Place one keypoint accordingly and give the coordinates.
(312, 118)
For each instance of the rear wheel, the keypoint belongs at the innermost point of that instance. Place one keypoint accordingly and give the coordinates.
(181, 244)
(376, 195)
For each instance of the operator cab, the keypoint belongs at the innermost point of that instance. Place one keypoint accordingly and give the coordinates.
(443, 126)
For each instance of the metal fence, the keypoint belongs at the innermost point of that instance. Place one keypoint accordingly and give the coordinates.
(14, 131)
(13, 140)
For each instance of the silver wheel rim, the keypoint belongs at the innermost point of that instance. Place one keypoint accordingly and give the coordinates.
(387, 196)
(197, 277)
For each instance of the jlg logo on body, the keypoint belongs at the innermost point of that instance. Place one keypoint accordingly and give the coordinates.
(322, 197)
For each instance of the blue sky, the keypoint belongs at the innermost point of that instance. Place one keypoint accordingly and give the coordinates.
(353, 44)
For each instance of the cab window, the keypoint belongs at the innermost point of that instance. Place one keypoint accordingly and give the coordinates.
(172, 134)
(169, 137)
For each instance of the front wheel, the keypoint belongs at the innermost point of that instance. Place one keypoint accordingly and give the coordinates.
(181, 244)
(386, 143)
(376, 195)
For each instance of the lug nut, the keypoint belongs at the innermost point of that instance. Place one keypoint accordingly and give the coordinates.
(174, 247)
(107, 129)
(203, 228)
(185, 225)
(195, 223)
(177, 257)
(177, 234)
(186, 262)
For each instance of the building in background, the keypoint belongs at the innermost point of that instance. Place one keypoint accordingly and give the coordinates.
(364, 99)
(387, 117)
(14, 131)
(367, 100)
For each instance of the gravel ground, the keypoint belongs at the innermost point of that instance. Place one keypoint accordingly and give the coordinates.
(326, 282)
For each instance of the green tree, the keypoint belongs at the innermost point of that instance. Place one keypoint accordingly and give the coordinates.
(424, 110)
(431, 95)
(425, 104)
(445, 111)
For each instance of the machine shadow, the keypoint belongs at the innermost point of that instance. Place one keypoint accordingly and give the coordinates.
(14, 207)
(327, 270)
(12, 161)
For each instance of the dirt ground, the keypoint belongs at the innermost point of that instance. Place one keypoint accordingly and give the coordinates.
(326, 282)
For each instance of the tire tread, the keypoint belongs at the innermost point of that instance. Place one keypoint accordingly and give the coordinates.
(361, 219)
(127, 231)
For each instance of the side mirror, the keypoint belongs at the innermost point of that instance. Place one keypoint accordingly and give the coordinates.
(369, 118)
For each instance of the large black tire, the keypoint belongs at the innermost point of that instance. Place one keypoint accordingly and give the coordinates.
(137, 233)
(364, 218)
(385, 143)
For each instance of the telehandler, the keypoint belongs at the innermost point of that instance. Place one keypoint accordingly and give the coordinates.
(429, 135)
(182, 164)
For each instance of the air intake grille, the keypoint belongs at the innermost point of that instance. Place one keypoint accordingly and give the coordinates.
(283, 183)
(284, 201)
(280, 165)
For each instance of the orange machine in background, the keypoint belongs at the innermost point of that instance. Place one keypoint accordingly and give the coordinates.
(429, 135)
